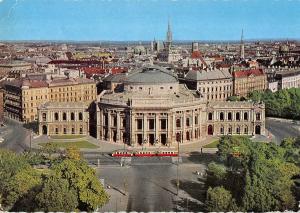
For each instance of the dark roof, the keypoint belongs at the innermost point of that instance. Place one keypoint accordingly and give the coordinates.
(151, 75)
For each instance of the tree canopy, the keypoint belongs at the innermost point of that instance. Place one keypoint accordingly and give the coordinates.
(259, 176)
(69, 185)
(283, 103)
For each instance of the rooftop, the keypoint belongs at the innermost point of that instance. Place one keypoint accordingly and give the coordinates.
(202, 75)
(151, 75)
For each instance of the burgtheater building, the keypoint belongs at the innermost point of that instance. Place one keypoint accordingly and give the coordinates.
(152, 108)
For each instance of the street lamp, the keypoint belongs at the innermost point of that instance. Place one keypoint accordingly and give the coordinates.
(178, 167)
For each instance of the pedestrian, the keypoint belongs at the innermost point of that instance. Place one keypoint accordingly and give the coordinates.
(201, 150)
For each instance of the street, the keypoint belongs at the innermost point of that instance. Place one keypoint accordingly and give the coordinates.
(281, 129)
(150, 184)
(16, 137)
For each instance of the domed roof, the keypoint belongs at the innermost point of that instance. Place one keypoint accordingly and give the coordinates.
(151, 75)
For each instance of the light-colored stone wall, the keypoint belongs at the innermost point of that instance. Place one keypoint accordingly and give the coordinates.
(243, 86)
(52, 121)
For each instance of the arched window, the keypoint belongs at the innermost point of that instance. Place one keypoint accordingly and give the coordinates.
(64, 116)
(222, 130)
(246, 116)
(229, 116)
(258, 116)
(44, 116)
(210, 116)
(80, 116)
(178, 122)
(238, 130)
(237, 116)
(246, 130)
(72, 116)
(229, 130)
(222, 116)
(56, 116)
(187, 122)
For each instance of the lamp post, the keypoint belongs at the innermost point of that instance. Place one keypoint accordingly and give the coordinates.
(177, 168)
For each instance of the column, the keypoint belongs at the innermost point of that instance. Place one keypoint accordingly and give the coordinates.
(132, 128)
(108, 126)
(183, 127)
(118, 127)
(157, 128)
(145, 129)
(192, 136)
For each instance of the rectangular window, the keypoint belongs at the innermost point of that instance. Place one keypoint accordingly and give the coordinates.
(151, 124)
(163, 124)
(139, 123)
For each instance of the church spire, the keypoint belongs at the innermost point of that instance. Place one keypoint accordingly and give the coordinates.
(169, 32)
(242, 53)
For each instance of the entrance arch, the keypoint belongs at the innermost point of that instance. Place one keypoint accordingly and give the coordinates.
(178, 137)
(257, 130)
(210, 130)
(45, 130)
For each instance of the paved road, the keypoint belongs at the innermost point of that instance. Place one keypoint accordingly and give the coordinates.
(150, 183)
(282, 129)
(16, 137)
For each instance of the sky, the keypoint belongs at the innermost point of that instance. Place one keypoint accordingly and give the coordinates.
(141, 20)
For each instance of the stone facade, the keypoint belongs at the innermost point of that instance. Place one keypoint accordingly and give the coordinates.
(63, 118)
(23, 97)
(246, 81)
(214, 85)
(288, 78)
(235, 118)
(154, 109)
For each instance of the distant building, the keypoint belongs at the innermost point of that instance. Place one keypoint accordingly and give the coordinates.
(288, 78)
(214, 85)
(169, 53)
(24, 96)
(59, 118)
(246, 81)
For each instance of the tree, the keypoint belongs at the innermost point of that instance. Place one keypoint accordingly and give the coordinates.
(56, 196)
(20, 184)
(219, 199)
(216, 173)
(50, 148)
(72, 152)
(83, 180)
(260, 177)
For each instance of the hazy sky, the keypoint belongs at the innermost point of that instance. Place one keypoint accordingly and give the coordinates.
(146, 19)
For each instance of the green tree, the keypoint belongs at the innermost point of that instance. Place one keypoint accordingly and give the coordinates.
(56, 195)
(216, 173)
(219, 199)
(83, 180)
(20, 184)
(50, 149)
(72, 152)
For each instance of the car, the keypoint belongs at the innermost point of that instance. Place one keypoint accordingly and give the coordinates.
(1, 139)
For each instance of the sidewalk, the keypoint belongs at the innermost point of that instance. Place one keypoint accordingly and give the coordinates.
(117, 202)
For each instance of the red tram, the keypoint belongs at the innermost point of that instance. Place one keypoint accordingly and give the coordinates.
(145, 154)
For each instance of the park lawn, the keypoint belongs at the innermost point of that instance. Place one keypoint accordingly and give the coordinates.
(81, 144)
(66, 136)
(212, 144)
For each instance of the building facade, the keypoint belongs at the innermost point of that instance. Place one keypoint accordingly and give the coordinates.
(23, 97)
(154, 109)
(214, 85)
(63, 118)
(288, 79)
(246, 81)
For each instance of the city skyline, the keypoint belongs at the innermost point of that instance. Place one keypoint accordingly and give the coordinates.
(203, 20)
